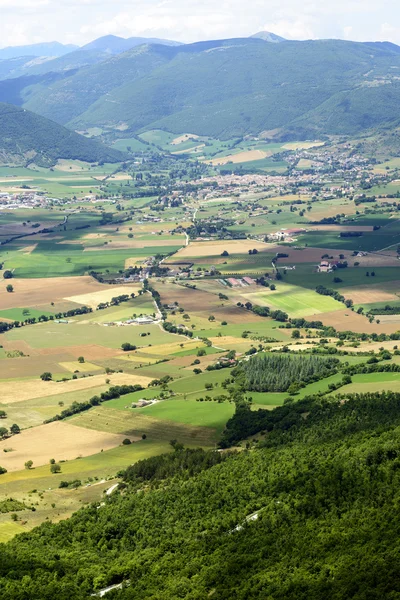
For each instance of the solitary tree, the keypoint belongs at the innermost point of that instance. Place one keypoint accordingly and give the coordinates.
(10, 288)
(46, 376)
(55, 468)
(81, 359)
(29, 464)
(15, 429)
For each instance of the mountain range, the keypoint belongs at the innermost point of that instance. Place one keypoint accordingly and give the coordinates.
(221, 88)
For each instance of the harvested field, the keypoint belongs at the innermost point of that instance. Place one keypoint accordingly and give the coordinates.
(307, 255)
(168, 349)
(38, 292)
(230, 342)
(135, 261)
(302, 145)
(85, 367)
(61, 441)
(94, 236)
(347, 320)
(93, 299)
(28, 249)
(22, 346)
(16, 391)
(184, 138)
(32, 366)
(369, 294)
(90, 352)
(129, 245)
(340, 228)
(216, 247)
(246, 156)
(393, 319)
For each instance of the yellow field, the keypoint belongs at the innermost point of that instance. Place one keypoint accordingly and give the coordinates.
(136, 358)
(129, 244)
(37, 292)
(216, 247)
(168, 349)
(246, 156)
(95, 298)
(302, 145)
(85, 367)
(184, 138)
(16, 391)
(58, 440)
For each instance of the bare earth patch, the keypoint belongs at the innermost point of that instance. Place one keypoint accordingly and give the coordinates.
(57, 440)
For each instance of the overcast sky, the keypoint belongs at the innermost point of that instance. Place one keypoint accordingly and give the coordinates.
(80, 21)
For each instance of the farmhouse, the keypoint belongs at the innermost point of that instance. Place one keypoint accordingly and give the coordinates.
(145, 320)
(326, 267)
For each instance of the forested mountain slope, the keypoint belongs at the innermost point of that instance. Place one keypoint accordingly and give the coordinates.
(311, 513)
(222, 88)
(252, 87)
(28, 138)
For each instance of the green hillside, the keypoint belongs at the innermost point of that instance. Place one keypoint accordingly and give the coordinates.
(251, 87)
(222, 89)
(29, 138)
(79, 91)
(310, 513)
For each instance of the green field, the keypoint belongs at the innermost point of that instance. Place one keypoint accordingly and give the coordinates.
(296, 301)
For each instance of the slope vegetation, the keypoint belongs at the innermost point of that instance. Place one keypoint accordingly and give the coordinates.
(28, 138)
(309, 514)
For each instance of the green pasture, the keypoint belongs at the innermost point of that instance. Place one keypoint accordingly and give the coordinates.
(191, 412)
(133, 144)
(134, 422)
(373, 382)
(296, 301)
(369, 241)
(20, 314)
(50, 259)
(305, 275)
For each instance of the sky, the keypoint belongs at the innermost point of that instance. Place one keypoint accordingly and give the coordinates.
(81, 21)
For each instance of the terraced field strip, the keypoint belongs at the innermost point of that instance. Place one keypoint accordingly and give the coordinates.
(134, 423)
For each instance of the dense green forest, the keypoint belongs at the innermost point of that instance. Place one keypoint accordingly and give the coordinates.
(310, 512)
(277, 372)
(26, 137)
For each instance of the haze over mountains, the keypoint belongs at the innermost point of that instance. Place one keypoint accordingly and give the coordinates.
(220, 88)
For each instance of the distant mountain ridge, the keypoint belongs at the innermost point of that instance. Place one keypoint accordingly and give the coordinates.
(54, 49)
(113, 44)
(28, 138)
(267, 36)
(220, 88)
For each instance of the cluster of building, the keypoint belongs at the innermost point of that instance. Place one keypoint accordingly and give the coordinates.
(233, 282)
